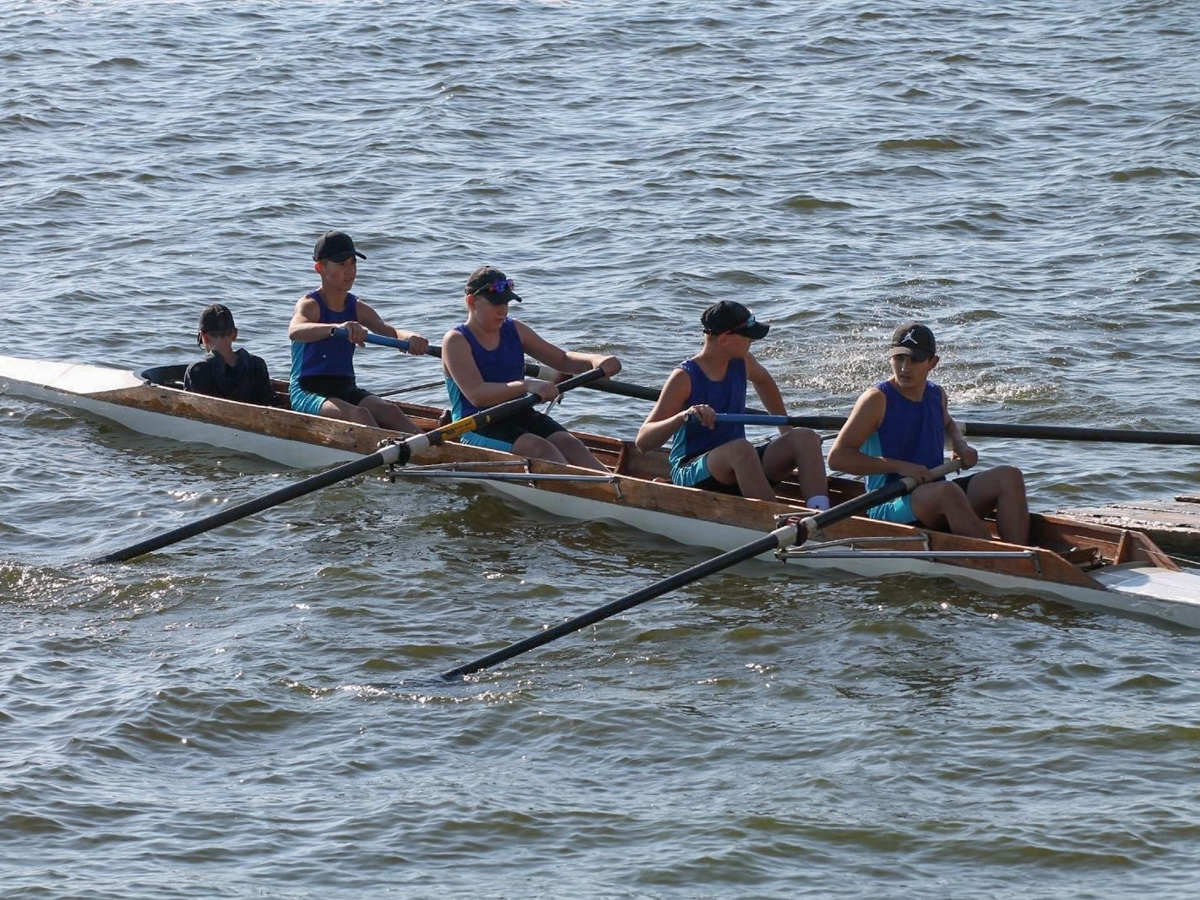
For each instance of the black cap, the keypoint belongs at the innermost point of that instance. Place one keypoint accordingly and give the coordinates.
(915, 340)
(335, 245)
(491, 284)
(729, 315)
(215, 319)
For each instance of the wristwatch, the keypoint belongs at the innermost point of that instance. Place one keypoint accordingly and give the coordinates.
(332, 330)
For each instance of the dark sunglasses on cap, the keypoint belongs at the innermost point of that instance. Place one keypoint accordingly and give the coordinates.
(744, 329)
(496, 287)
(917, 356)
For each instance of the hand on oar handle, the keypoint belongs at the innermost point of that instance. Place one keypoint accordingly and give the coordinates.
(414, 344)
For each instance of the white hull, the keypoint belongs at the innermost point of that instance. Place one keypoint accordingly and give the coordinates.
(1146, 590)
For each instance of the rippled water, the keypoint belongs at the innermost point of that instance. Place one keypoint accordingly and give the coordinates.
(204, 723)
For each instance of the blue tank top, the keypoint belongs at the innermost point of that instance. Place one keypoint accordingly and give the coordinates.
(911, 432)
(725, 396)
(331, 355)
(504, 364)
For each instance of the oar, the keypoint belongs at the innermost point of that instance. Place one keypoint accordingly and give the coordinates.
(988, 429)
(832, 423)
(396, 453)
(795, 531)
(533, 370)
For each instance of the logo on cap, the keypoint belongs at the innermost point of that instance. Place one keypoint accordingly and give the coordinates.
(915, 340)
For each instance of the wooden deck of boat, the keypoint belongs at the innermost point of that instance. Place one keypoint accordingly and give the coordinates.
(1173, 524)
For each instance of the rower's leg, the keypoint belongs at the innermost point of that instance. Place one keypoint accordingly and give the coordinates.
(538, 448)
(737, 462)
(388, 415)
(1002, 490)
(943, 504)
(333, 408)
(575, 451)
(798, 450)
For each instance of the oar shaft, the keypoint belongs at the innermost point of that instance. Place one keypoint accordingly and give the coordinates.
(383, 457)
(832, 423)
(533, 370)
(993, 429)
(1069, 433)
(750, 418)
(795, 532)
(397, 453)
(779, 537)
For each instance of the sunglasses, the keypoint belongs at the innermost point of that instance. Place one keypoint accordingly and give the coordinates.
(743, 330)
(916, 356)
(504, 285)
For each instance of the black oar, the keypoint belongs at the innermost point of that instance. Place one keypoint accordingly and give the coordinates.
(989, 429)
(795, 532)
(396, 453)
(833, 423)
(533, 370)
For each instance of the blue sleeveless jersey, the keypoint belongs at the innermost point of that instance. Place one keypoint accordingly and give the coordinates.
(504, 364)
(331, 355)
(911, 432)
(725, 396)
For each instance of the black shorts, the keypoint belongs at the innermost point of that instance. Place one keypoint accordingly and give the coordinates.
(503, 434)
(335, 386)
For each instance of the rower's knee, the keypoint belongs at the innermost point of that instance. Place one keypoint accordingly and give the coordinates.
(804, 440)
(537, 447)
(942, 497)
(741, 451)
(1011, 477)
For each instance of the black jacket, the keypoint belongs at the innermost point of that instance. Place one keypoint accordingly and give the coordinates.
(246, 380)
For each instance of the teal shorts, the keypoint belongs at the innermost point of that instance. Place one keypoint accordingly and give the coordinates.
(897, 510)
(900, 509)
(694, 473)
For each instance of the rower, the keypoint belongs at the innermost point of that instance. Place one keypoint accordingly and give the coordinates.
(322, 380)
(226, 373)
(900, 427)
(484, 362)
(715, 456)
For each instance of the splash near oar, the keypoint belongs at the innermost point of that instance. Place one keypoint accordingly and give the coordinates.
(793, 533)
(397, 453)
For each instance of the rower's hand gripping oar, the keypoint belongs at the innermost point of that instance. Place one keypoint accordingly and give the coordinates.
(794, 532)
(395, 453)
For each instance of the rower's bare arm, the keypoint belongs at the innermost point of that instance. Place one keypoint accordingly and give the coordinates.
(958, 444)
(306, 325)
(767, 390)
(569, 361)
(417, 344)
(668, 414)
(460, 365)
(846, 454)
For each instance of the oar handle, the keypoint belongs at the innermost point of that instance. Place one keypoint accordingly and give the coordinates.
(382, 340)
(862, 503)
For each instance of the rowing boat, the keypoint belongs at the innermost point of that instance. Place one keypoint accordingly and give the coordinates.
(1094, 566)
